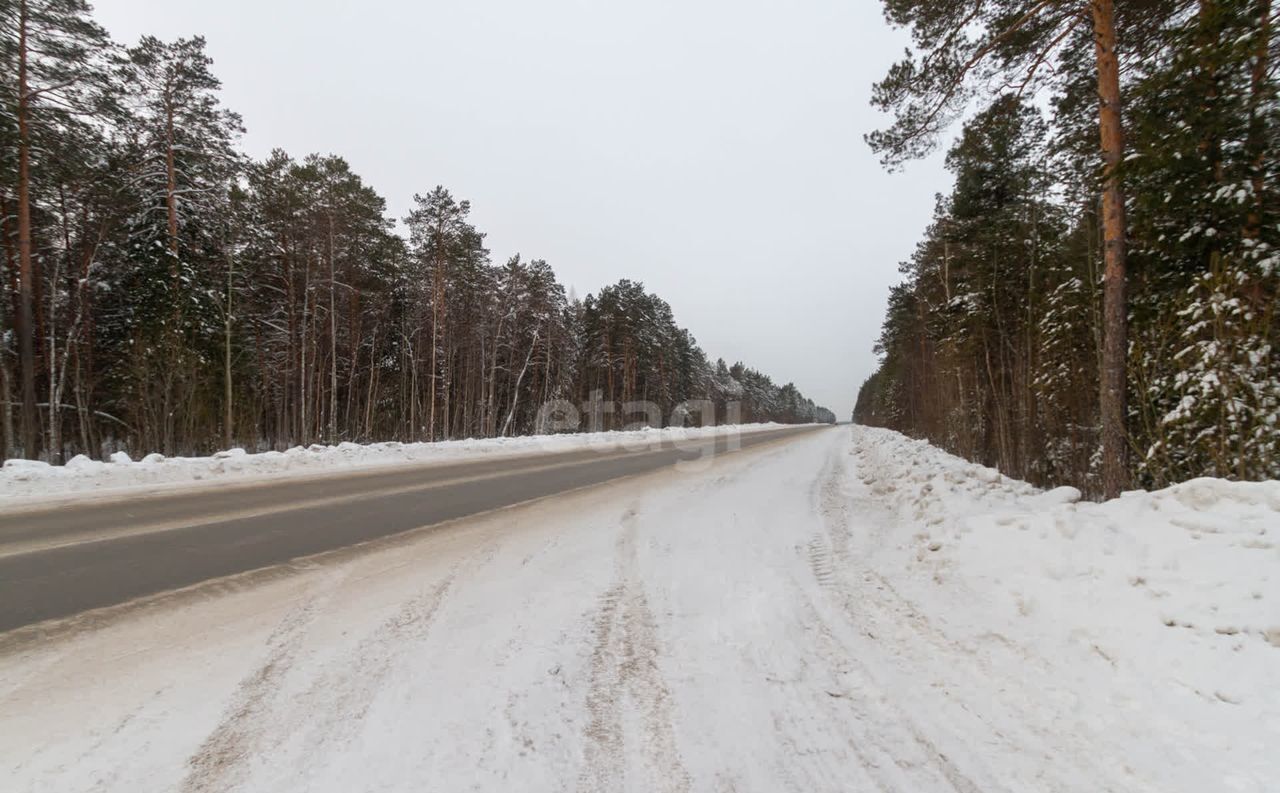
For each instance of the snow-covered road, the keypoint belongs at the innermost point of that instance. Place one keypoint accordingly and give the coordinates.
(845, 611)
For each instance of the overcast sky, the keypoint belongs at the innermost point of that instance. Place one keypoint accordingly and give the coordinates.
(709, 148)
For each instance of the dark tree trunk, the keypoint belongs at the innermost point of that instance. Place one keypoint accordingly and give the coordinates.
(26, 341)
(1257, 140)
(1112, 402)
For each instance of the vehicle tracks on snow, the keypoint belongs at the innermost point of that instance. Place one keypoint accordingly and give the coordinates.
(624, 665)
(854, 687)
(340, 697)
(329, 711)
(219, 762)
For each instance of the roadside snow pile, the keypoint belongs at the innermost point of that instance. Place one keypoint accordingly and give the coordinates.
(1160, 610)
(1203, 555)
(30, 480)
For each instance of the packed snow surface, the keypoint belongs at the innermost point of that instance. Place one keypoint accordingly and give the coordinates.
(25, 481)
(848, 610)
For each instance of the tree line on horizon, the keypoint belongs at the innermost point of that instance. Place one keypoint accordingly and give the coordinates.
(1094, 302)
(160, 291)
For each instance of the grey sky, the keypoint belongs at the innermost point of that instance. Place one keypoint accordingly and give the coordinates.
(709, 148)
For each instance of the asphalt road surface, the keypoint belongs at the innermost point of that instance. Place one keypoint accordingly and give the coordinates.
(79, 556)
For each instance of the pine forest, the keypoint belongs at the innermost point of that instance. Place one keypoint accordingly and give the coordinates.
(1094, 302)
(160, 291)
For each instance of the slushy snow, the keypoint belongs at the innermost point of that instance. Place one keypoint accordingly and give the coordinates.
(845, 610)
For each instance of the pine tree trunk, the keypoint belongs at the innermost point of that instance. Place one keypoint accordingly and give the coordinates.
(333, 341)
(26, 343)
(373, 382)
(174, 334)
(82, 409)
(6, 413)
(446, 386)
(1210, 146)
(1112, 401)
(491, 406)
(436, 299)
(1256, 143)
(546, 376)
(228, 413)
(171, 187)
(355, 342)
(304, 435)
(413, 434)
(11, 266)
(51, 350)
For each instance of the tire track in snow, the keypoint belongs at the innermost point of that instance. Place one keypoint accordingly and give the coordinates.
(820, 561)
(832, 504)
(331, 709)
(340, 697)
(603, 733)
(219, 763)
(624, 665)
(885, 740)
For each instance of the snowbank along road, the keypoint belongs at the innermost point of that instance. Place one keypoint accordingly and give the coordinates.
(841, 610)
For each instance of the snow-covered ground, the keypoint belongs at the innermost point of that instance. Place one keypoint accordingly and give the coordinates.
(27, 481)
(847, 610)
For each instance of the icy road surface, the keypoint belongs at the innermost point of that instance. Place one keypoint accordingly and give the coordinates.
(842, 611)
